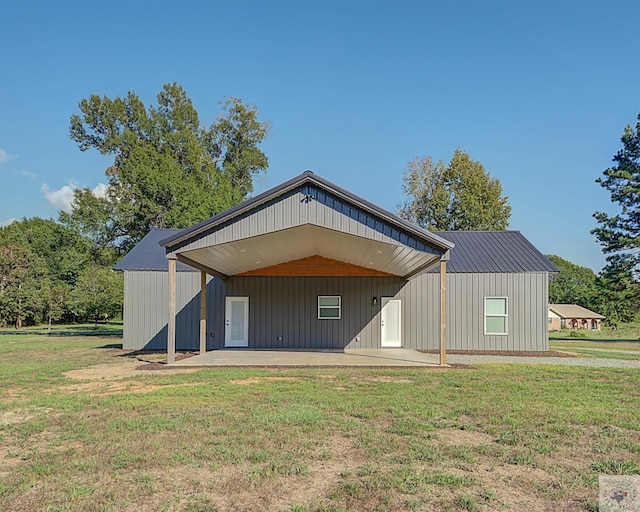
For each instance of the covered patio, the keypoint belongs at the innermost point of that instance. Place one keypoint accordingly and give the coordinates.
(310, 267)
(389, 357)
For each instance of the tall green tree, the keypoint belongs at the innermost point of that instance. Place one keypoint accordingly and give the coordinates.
(24, 285)
(618, 289)
(168, 171)
(619, 234)
(98, 294)
(64, 250)
(461, 195)
(55, 303)
(573, 285)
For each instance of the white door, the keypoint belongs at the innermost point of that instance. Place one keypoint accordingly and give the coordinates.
(236, 323)
(391, 322)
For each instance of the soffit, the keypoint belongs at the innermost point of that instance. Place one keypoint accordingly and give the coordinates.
(273, 248)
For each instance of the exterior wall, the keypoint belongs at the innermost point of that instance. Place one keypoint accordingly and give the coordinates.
(146, 309)
(527, 309)
(555, 322)
(286, 307)
(306, 205)
(593, 324)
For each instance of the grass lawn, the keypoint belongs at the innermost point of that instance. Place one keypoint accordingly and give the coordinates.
(624, 332)
(82, 429)
(611, 349)
(113, 327)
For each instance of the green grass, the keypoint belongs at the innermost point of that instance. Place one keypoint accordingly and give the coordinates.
(626, 350)
(112, 328)
(624, 332)
(340, 439)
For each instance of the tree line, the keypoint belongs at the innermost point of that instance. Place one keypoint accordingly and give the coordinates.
(463, 195)
(169, 171)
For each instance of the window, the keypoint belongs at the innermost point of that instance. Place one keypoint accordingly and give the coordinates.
(329, 307)
(495, 315)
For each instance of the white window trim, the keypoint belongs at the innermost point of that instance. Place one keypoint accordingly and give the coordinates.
(505, 316)
(339, 306)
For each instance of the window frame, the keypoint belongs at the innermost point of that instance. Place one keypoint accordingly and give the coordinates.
(504, 315)
(338, 307)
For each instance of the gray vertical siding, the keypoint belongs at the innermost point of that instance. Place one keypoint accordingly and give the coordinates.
(292, 210)
(146, 308)
(286, 307)
(527, 296)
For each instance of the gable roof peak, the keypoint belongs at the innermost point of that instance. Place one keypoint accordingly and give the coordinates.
(307, 176)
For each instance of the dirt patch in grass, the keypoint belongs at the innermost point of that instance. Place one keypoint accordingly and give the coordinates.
(117, 387)
(19, 416)
(8, 461)
(458, 437)
(121, 370)
(259, 380)
(383, 379)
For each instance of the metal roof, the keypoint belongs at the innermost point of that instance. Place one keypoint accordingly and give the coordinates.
(494, 251)
(474, 251)
(573, 311)
(148, 254)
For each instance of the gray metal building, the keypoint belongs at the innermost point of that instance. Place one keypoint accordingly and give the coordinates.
(308, 265)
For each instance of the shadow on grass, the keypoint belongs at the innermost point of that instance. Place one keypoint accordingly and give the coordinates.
(150, 356)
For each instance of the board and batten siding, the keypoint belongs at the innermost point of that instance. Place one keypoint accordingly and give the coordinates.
(286, 308)
(146, 309)
(527, 323)
(283, 311)
(305, 205)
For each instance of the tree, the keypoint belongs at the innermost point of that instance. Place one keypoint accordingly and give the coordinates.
(98, 294)
(23, 286)
(619, 234)
(167, 171)
(573, 285)
(619, 292)
(64, 250)
(55, 304)
(459, 196)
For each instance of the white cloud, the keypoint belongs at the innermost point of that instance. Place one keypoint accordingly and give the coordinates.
(62, 198)
(4, 223)
(28, 174)
(100, 190)
(5, 157)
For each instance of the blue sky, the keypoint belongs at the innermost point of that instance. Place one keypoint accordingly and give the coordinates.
(538, 91)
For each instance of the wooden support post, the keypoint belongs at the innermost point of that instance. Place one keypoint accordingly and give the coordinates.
(203, 312)
(171, 325)
(443, 312)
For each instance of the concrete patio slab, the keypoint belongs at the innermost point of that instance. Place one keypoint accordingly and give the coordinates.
(363, 357)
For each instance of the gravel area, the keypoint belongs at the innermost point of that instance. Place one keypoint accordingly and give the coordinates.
(564, 361)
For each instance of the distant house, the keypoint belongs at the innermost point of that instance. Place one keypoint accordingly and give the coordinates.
(309, 265)
(572, 316)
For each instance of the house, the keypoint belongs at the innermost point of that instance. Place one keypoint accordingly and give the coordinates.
(572, 316)
(309, 265)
